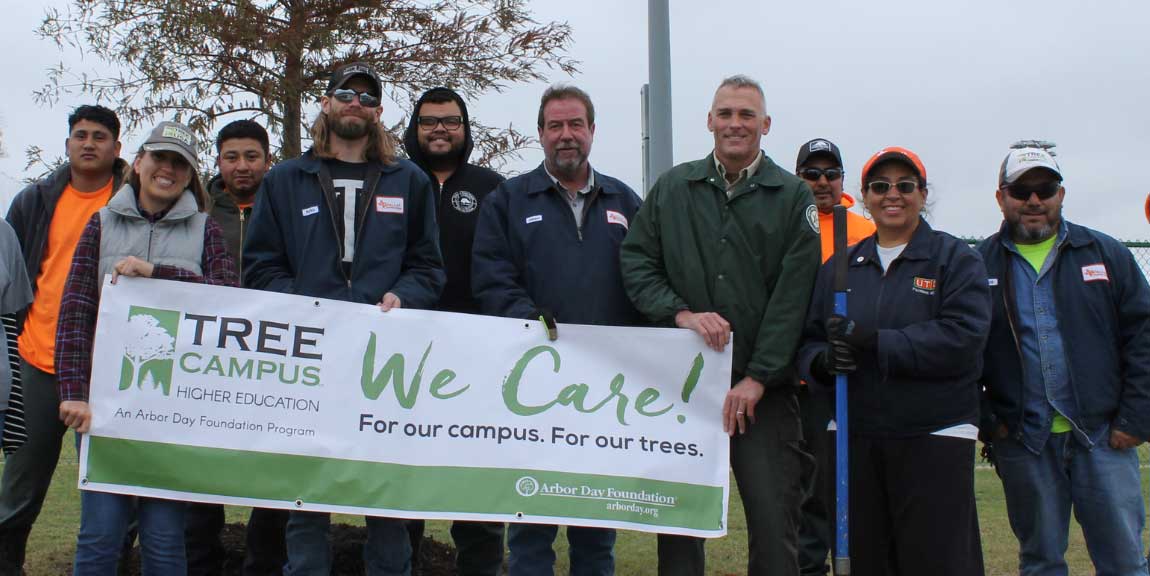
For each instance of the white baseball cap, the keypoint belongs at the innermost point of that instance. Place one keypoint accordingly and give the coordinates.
(1019, 161)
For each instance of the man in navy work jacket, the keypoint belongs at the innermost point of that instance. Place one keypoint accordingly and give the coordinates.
(1067, 375)
(347, 221)
(547, 243)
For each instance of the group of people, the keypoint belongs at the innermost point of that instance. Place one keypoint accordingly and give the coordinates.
(1037, 341)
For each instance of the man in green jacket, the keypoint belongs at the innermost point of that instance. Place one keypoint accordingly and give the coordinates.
(731, 242)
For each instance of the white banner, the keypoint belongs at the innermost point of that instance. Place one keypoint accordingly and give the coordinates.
(213, 394)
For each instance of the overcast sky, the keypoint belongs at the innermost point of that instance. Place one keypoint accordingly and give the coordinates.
(957, 82)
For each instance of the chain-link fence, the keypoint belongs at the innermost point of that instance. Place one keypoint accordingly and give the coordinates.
(1140, 249)
(1141, 252)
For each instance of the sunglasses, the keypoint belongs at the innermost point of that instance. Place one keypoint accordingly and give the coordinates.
(449, 122)
(346, 95)
(1045, 190)
(813, 174)
(881, 188)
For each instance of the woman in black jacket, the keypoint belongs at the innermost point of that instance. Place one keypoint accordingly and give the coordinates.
(918, 314)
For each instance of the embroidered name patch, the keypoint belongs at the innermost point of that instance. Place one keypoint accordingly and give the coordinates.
(1095, 273)
(614, 217)
(309, 211)
(534, 219)
(389, 204)
(925, 285)
(992, 281)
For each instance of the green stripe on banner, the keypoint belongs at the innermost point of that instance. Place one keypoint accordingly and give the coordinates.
(445, 489)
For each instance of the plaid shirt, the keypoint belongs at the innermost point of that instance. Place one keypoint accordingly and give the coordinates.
(77, 322)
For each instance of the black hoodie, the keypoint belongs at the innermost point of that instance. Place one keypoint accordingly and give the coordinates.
(457, 206)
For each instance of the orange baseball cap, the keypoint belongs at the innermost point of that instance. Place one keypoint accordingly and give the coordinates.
(894, 153)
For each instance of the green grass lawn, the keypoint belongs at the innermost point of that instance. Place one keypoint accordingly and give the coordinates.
(53, 540)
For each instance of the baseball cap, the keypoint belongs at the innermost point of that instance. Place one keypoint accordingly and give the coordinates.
(894, 153)
(349, 71)
(173, 137)
(1019, 161)
(818, 147)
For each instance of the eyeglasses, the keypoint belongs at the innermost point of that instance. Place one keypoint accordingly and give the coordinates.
(1044, 190)
(449, 122)
(346, 95)
(881, 187)
(813, 174)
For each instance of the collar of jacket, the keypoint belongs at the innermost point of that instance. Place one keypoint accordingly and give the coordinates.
(220, 197)
(310, 163)
(538, 181)
(52, 186)
(1076, 236)
(920, 246)
(768, 175)
(124, 204)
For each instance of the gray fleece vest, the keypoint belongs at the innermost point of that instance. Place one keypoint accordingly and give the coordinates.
(177, 239)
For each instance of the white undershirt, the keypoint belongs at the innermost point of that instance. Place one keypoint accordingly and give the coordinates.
(888, 255)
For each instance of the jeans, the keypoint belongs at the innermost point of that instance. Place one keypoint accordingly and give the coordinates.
(591, 550)
(28, 471)
(1102, 486)
(104, 520)
(387, 551)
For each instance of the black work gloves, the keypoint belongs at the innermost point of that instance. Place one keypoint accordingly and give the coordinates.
(845, 342)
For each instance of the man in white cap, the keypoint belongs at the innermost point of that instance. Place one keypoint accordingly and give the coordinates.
(1066, 375)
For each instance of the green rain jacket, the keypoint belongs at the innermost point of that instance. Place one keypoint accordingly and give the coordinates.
(751, 258)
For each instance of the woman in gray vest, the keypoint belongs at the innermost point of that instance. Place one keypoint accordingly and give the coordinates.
(154, 227)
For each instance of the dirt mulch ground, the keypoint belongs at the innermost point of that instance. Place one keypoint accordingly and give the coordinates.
(435, 558)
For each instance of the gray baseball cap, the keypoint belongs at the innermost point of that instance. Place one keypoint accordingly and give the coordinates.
(173, 137)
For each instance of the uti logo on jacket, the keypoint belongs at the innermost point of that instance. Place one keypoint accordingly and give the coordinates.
(149, 349)
(925, 285)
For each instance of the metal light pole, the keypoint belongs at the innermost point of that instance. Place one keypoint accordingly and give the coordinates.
(657, 153)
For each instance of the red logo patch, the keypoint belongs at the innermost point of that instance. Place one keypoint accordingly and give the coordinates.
(927, 284)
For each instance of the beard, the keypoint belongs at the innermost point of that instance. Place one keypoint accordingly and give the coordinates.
(568, 167)
(443, 160)
(348, 129)
(1035, 232)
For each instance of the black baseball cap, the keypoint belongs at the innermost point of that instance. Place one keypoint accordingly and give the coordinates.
(349, 71)
(817, 147)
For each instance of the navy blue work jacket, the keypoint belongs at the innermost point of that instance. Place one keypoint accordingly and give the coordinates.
(529, 253)
(293, 244)
(931, 314)
(1103, 304)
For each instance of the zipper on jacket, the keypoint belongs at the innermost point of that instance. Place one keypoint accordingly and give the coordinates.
(151, 236)
(240, 271)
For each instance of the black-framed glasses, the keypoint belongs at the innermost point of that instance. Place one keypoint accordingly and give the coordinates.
(346, 95)
(1044, 190)
(449, 122)
(813, 174)
(881, 187)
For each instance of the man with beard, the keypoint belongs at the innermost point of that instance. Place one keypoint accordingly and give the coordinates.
(547, 245)
(731, 242)
(347, 221)
(1066, 375)
(820, 165)
(438, 139)
(243, 150)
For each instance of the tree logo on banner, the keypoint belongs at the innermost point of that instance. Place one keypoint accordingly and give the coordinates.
(149, 349)
(527, 486)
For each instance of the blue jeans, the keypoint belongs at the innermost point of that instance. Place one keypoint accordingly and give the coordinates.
(591, 550)
(1103, 487)
(104, 520)
(387, 551)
